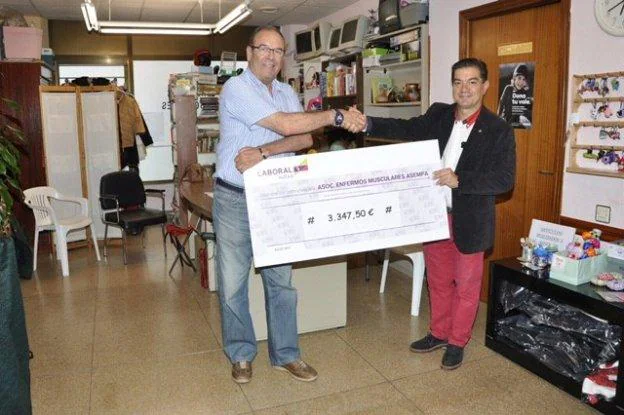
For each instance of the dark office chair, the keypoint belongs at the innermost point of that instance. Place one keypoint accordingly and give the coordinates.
(122, 199)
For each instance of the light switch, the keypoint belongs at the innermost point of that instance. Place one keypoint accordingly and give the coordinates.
(603, 214)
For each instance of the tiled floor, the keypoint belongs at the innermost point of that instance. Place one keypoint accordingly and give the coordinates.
(131, 340)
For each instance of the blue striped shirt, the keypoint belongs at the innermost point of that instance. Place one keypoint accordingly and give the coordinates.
(244, 101)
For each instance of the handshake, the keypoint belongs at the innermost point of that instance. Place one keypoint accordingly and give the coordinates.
(354, 121)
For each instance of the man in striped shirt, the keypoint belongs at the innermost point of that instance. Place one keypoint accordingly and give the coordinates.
(260, 117)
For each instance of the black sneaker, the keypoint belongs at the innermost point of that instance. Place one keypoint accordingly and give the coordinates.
(453, 357)
(427, 344)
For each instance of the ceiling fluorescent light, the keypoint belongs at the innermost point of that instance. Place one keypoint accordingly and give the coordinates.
(229, 20)
(159, 25)
(90, 15)
(154, 31)
(162, 28)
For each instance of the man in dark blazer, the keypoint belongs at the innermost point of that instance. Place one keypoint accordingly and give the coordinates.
(479, 159)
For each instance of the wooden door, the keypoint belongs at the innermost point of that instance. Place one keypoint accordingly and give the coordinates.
(543, 27)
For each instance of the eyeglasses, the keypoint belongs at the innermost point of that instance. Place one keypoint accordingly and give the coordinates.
(472, 83)
(264, 50)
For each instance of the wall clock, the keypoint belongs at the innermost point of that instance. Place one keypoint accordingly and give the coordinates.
(610, 16)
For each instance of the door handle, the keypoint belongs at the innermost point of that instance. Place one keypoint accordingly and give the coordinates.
(546, 172)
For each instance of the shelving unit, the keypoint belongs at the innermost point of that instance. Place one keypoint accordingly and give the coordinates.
(343, 101)
(588, 133)
(414, 71)
(195, 120)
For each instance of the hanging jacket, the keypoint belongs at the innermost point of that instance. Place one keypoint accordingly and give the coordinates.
(130, 119)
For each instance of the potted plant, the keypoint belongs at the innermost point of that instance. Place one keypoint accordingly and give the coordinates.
(11, 140)
(14, 351)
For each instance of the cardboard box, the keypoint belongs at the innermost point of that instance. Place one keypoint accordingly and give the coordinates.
(576, 271)
(22, 42)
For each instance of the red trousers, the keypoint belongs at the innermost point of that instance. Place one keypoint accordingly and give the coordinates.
(454, 281)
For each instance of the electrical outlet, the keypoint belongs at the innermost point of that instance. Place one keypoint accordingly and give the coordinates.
(603, 214)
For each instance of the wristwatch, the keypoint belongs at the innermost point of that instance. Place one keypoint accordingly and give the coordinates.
(338, 118)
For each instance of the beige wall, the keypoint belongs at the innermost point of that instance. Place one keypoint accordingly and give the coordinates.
(40, 23)
(71, 42)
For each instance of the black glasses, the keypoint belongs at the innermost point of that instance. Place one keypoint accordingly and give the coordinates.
(264, 50)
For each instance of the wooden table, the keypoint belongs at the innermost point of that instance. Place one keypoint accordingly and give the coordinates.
(194, 198)
(321, 284)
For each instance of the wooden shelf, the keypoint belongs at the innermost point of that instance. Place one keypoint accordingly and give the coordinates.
(603, 99)
(581, 170)
(599, 124)
(596, 147)
(599, 75)
(396, 104)
(341, 96)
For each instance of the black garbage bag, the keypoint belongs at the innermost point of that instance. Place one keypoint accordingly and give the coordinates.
(23, 251)
(512, 296)
(14, 352)
(562, 337)
(569, 353)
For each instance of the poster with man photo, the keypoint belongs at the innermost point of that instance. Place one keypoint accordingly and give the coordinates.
(516, 100)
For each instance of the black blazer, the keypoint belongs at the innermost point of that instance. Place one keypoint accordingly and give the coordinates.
(486, 167)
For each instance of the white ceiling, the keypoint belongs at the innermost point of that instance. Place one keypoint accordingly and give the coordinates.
(288, 11)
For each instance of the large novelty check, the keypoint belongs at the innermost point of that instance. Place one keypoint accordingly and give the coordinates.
(327, 204)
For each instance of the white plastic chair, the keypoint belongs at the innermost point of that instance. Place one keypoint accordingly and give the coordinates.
(415, 254)
(38, 199)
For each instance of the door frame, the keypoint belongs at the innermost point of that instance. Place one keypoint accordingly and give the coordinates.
(499, 8)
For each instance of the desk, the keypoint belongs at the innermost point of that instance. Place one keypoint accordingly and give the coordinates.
(321, 284)
(583, 297)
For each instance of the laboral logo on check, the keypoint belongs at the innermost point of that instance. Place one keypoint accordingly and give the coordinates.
(279, 171)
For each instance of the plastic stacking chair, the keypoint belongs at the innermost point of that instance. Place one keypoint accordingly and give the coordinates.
(38, 199)
(415, 254)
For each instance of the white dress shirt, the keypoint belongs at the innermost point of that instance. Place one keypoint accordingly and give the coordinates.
(452, 152)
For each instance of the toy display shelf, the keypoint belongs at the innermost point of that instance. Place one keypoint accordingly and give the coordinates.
(578, 163)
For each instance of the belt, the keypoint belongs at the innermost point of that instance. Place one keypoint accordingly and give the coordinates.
(230, 186)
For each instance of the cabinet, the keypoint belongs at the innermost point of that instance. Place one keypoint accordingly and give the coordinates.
(396, 85)
(597, 132)
(20, 81)
(582, 297)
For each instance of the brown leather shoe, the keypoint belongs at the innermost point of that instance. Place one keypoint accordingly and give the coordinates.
(299, 370)
(241, 372)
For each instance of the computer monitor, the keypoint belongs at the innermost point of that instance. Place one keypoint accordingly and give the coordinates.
(321, 37)
(352, 35)
(304, 45)
(389, 18)
(334, 40)
(312, 42)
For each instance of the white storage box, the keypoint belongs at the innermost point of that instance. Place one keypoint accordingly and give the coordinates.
(576, 271)
(22, 42)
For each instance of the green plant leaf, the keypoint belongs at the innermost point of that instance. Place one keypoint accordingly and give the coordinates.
(19, 134)
(5, 197)
(9, 158)
(11, 104)
(14, 183)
